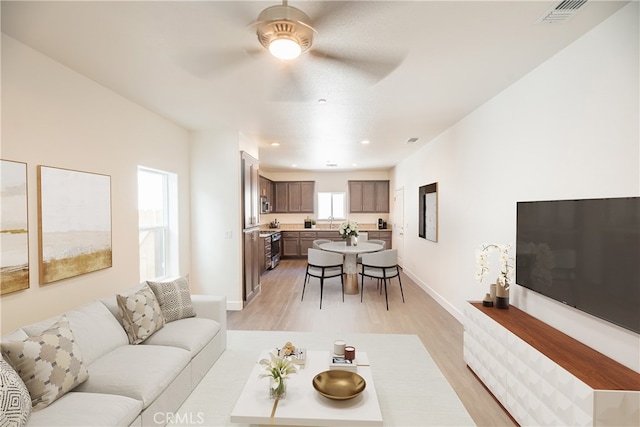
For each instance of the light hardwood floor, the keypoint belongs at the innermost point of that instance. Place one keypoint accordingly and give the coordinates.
(278, 307)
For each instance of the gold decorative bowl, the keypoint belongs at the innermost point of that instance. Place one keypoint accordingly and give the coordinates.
(339, 385)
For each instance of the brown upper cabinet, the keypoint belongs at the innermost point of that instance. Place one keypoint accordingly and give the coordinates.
(266, 188)
(293, 196)
(369, 196)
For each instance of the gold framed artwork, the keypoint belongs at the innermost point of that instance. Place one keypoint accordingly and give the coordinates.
(14, 230)
(74, 229)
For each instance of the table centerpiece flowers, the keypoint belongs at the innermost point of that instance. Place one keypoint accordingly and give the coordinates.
(277, 369)
(347, 230)
(506, 275)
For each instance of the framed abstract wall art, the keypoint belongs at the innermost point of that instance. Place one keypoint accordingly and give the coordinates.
(74, 230)
(14, 230)
(428, 212)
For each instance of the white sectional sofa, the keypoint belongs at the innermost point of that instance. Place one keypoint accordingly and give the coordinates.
(138, 385)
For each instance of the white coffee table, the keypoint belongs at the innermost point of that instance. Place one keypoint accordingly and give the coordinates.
(303, 405)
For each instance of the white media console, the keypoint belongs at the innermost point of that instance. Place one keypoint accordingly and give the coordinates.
(542, 376)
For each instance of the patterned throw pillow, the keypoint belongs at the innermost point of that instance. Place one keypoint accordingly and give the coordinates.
(49, 364)
(15, 401)
(174, 298)
(141, 314)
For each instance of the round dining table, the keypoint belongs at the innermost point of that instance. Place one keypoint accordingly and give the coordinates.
(350, 255)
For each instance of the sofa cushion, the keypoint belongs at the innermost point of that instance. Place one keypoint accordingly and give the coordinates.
(141, 372)
(191, 334)
(96, 330)
(141, 314)
(15, 401)
(50, 364)
(174, 298)
(88, 409)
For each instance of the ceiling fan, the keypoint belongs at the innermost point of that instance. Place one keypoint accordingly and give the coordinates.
(284, 31)
(288, 34)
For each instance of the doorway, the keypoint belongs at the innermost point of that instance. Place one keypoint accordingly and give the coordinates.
(398, 223)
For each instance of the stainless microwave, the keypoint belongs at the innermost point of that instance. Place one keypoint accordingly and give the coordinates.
(265, 206)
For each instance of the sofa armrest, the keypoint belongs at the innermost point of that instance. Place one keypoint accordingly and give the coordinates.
(211, 307)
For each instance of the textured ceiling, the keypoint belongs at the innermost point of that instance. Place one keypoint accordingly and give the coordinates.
(389, 70)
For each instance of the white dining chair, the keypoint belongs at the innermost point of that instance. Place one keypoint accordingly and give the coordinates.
(318, 242)
(323, 265)
(363, 236)
(381, 265)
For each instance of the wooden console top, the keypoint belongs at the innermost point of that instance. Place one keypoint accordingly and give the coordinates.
(591, 367)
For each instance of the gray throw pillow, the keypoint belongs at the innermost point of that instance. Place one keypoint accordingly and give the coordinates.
(174, 298)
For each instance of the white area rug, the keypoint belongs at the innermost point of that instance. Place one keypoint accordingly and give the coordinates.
(411, 389)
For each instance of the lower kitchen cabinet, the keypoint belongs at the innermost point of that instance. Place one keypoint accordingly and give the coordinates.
(297, 243)
(290, 243)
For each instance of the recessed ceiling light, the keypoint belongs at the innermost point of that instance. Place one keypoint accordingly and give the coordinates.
(365, 141)
(275, 144)
(294, 165)
(322, 101)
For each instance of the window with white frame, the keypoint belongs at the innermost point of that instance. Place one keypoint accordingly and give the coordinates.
(157, 208)
(331, 206)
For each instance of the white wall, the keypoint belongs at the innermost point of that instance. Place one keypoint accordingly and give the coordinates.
(216, 218)
(53, 116)
(569, 129)
(328, 181)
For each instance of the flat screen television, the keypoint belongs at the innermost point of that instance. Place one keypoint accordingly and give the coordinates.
(583, 253)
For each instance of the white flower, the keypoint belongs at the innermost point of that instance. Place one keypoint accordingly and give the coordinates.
(507, 263)
(278, 368)
(348, 228)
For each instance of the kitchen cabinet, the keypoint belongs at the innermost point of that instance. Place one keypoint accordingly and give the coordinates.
(369, 196)
(293, 196)
(290, 243)
(306, 242)
(250, 190)
(266, 190)
(251, 260)
(381, 235)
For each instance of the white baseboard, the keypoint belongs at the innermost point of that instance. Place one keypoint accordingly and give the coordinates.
(436, 296)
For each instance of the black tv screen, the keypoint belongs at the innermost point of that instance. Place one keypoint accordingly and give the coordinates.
(583, 253)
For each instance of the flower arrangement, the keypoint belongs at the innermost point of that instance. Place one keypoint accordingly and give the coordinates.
(507, 264)
(348, 229)
(278, 370)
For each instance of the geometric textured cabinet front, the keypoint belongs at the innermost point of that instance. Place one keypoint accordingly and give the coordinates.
(535, 390)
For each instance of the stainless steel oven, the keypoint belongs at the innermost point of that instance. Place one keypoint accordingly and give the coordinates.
(275, 248)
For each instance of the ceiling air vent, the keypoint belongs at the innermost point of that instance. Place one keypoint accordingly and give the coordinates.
(411, 140)
(561, 12)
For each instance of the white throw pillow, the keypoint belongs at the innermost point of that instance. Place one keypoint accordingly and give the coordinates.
(15, 401)
(50, 364)
(141, 314)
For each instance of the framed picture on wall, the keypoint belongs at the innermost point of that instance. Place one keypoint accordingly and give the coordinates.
(14, 229)
(428, 212)
(74, 230)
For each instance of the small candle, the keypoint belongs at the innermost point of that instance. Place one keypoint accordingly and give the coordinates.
(349, 352)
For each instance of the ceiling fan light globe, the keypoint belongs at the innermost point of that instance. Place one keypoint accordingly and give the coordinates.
(285, 48)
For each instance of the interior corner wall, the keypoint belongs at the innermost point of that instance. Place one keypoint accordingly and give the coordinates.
(53, 116)
(216, 219)
(569, 129)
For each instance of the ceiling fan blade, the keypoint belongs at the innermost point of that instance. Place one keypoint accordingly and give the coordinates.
(373, 68)
(290, 88)
(209, 63)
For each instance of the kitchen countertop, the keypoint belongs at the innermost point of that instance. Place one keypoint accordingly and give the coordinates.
(321, 227)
